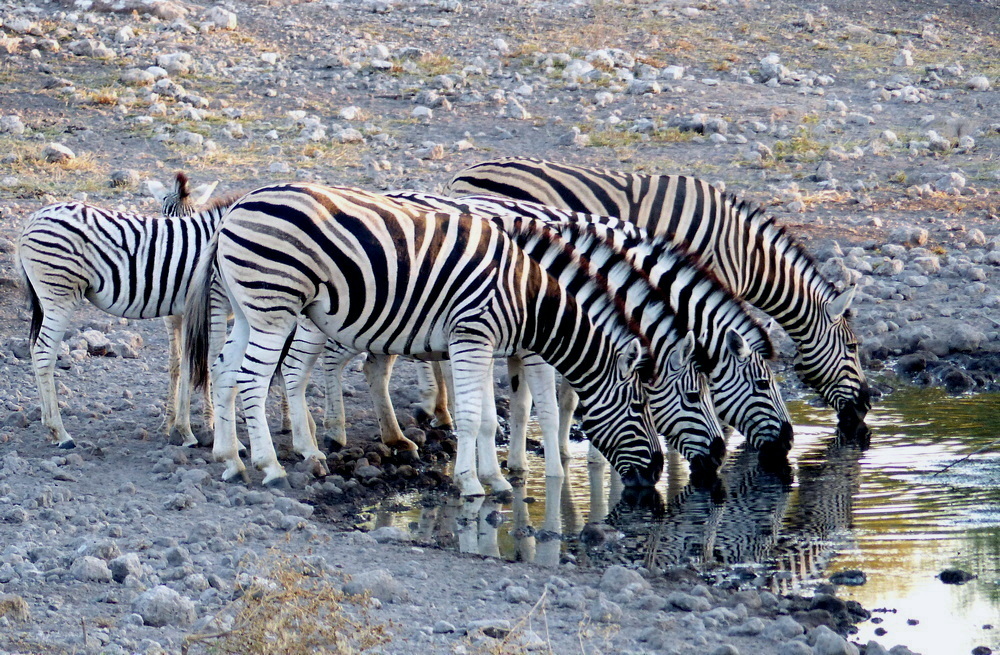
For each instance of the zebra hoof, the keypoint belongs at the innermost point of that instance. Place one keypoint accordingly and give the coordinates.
(279, 483)
(239, 477)
(69, 444)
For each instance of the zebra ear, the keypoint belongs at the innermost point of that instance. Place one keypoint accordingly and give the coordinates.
(157, 190)
(836, 307)
(681, 354)
(201, 193)
(737, 344)
(630, 358)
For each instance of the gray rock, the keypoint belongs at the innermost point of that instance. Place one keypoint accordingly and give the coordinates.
(57, 153)
(603, 610)
(175, 62)
(794, 647)
(875, 648)
(443, 627)
(379, 583)
(221, 18)
(517, 594)
(11, 125)
(726, 649)
(162, 606)
(687, 602)
(782, 628)
(617, 578)
(750, 628)
(90, 569)
(126, 565)
(827, 642)
(912, 236)
(125, 178)
(978, 83)
(950, 183)
(294, 507)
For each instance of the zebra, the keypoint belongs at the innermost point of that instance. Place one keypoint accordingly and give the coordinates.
(759, 261)
(682, 409)
(129, 265)
(379, 275)
(743, 388)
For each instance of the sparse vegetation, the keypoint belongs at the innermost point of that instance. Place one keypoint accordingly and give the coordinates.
(292, 608)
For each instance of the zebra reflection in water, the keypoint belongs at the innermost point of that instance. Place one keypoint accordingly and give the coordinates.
(752, 517)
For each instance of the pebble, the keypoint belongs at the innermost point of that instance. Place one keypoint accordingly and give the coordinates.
(90, 569)
(603, 610)
(162, 606)
(378, 583)
(57, 153)
(978, 83)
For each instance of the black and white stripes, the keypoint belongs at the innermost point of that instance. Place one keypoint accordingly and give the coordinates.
(756, 259)
(377, 275)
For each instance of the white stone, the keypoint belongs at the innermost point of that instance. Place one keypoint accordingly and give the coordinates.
(57, 153)
(175, 62)
(161, 606)
(221, 17)
(903, 58)
(978, 83)
(269, 58)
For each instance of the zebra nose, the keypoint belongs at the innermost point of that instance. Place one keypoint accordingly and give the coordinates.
(786, 434)
(645, 475)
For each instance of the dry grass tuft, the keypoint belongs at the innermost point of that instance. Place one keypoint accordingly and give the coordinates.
(14, 608)
(291, 608)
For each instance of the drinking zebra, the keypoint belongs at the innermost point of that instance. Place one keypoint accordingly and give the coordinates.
(756, 258)
(378, 275)
(743, 388)
(127, 264)
(681, 407)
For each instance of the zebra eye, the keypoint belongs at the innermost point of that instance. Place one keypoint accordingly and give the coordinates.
(852, 348)
(693, 397)
(763, 385)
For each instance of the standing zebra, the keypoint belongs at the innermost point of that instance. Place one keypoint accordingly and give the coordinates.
(732, 344)
(757, 259)
(127, 264)
(378, 275)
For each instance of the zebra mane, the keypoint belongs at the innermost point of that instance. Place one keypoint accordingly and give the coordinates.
(223, 202)
(181, 186)
(524, 229)
(658, 248)
(751, 211)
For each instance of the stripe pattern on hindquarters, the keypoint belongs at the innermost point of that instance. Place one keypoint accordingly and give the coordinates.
(744, 390)
(757, 259)
(382, 276)
(127, 264)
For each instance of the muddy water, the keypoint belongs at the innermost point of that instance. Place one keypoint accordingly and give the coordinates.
(887, 510)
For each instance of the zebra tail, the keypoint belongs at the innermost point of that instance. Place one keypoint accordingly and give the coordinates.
(36, 308)
(197, 315)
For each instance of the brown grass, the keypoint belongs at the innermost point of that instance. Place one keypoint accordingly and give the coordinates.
(292, 609)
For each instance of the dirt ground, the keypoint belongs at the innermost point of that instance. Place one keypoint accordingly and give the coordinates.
(390, 95)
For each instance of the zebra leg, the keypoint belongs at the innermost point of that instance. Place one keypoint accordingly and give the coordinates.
(335, 358)
(173, 325)
(225, 446)
(445, 397)
(377, 370)
(542, 381)
(219, 310)
(486, 439)
(302, 354)
(471, 366)
(433, 407)
(259, 363)
(520, 406)
(568, 400)
(44, 353)
(179, 389)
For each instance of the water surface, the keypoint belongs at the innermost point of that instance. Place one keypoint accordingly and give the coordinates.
(890, 510)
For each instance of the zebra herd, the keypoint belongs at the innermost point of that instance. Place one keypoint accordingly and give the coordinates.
(634, 288)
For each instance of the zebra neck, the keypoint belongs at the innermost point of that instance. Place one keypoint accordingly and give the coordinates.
(774, 273)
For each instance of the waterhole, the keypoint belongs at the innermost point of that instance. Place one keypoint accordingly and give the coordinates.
(902, 511)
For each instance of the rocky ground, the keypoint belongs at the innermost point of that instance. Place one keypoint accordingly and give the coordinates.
(872, 134)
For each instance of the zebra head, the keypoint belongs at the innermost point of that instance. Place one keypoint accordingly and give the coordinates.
(827, 360)
(682, 409)
(747, 397)
(180, 201)
(634, 449)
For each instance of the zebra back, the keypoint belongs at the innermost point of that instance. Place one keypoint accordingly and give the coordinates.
(757, 259)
